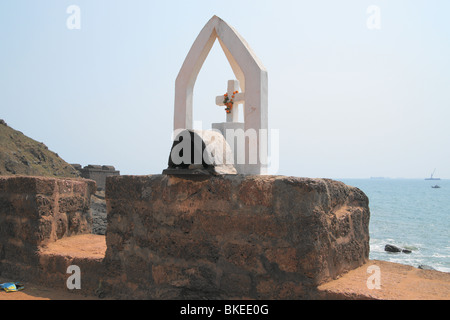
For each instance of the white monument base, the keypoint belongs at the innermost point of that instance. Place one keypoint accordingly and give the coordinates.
(241, 168)
(223, 126)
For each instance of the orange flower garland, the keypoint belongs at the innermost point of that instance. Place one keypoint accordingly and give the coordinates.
(229, 102)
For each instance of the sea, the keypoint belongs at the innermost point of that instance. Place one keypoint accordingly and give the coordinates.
(409, 214)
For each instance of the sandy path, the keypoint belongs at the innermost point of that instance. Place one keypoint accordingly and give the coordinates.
(397, 282)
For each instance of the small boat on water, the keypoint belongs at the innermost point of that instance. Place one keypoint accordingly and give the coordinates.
(435, 187)
(432, 178)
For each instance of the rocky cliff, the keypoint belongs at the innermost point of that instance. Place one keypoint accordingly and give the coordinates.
(21, 155)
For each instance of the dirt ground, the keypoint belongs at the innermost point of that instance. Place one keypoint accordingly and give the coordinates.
(81, 246)
(396, 281)
(33, 292)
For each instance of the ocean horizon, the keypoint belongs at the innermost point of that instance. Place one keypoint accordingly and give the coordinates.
(410, 214)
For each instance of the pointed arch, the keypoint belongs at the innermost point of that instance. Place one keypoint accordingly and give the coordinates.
(247, 68)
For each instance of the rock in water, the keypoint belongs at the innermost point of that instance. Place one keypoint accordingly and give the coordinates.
(425, 267)
(392, 248)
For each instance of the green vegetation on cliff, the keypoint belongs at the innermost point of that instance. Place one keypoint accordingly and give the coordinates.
(21, 155)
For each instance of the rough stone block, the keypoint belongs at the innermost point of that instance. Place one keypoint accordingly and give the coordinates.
(35, 211)
(273, 237)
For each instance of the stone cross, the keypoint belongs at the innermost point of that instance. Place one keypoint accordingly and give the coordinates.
(233, 85)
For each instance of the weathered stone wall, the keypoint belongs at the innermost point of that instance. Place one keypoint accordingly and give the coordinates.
(259, 237)
(35, 211)
(97, 173)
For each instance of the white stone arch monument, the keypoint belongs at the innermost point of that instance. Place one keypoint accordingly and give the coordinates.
(253, 80)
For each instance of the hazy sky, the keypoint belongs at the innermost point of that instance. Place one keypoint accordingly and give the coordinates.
(348, 101)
